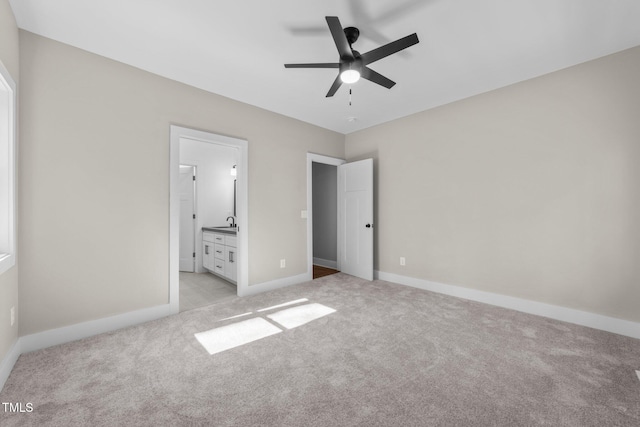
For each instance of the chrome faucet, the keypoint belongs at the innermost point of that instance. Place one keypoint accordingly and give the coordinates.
(233, 221)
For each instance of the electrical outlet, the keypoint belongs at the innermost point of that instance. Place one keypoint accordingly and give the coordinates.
(403, 261)
(283, 263)
(303, 214)
(13, 315)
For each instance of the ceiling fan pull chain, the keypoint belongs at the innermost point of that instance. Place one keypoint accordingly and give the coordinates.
(349, 97)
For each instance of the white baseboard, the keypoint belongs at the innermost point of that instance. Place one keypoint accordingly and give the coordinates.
(276, 284)
(66, 334)
(6, 366)
(78, 331)
(583, 318)
(325, 263)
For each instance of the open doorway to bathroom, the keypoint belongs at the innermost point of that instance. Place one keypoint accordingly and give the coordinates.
(211, 194)
(208, 218)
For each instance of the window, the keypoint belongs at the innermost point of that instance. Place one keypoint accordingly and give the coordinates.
(7, 170)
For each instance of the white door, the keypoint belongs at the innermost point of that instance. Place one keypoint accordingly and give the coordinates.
(187, 219)
(355, 218)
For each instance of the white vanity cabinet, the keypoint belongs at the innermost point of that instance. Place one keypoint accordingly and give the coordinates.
(207, 250)
(230, 258)
(219, 254)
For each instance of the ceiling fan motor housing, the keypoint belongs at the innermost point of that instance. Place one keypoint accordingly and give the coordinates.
(352, 34)
(351, 64)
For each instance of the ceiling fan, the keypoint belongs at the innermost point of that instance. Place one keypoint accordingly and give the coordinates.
(354, 65)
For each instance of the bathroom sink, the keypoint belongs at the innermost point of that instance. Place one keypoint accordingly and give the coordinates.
(223, 229)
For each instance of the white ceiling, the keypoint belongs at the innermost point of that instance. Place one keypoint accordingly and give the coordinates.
(237, 48)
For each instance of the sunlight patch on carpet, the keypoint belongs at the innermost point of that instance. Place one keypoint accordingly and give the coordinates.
(283, 304)
(236, 316)
(297, 316)
(237, 334)
(638, 374)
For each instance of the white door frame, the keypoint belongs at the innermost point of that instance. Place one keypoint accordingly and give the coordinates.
(315, 158)
(242, 198)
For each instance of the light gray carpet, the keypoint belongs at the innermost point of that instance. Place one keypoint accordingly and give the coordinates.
(389, 356)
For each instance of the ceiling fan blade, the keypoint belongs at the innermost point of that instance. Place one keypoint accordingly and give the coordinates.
(339, 38)
(389, 49)
(317, 65)
(335, 86)
(373, 76)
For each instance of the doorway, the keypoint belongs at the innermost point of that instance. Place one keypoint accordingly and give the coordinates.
(354, 215)
(238, 146)
(325, 219)
(322, 215)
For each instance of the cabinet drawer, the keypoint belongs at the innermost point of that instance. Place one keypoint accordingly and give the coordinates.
(230, 241)
(218, 267)
(218, 251)
(208, 237)
(218, 238)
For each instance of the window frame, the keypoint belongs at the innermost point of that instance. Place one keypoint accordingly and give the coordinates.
(8, 113)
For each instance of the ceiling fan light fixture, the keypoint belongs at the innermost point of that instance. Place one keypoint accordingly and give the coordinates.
(349, 76)
(353, 65)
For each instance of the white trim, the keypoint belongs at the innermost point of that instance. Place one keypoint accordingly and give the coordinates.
(325, 263)
(82, 330)
(583, 318)
(8, 194)
(276, 284)
(242, 177)
(317, 158)
(76, 332)
(66, 334)
(9, 361)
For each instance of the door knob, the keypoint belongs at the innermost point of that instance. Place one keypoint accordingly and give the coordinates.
(369, 225)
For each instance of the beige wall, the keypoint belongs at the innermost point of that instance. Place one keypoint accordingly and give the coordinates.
(8, 280)
(529, 191)
(95, 182)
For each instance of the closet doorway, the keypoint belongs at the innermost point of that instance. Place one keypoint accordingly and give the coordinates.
(322, 216)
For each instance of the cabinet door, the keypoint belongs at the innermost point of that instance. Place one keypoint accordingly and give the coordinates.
(207, 247)
(230, 266)
(207, 255)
